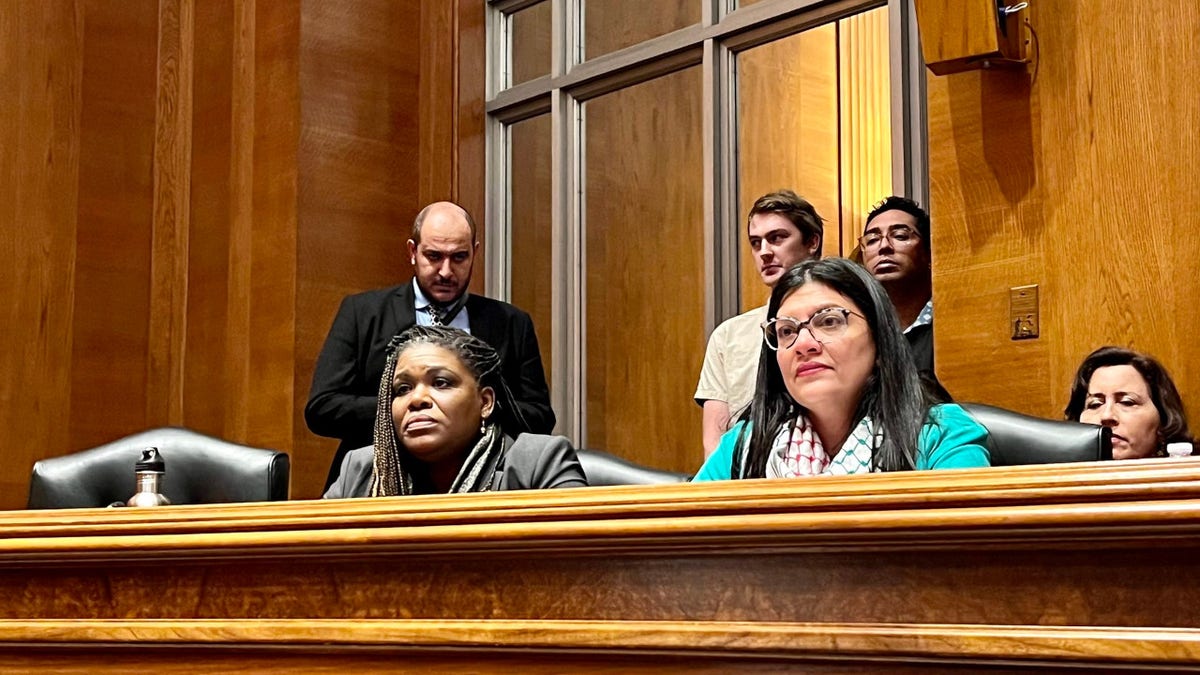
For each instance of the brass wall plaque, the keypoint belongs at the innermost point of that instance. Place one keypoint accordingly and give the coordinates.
(1023, 316)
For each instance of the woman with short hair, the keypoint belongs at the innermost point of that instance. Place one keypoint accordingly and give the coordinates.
(1132, 394)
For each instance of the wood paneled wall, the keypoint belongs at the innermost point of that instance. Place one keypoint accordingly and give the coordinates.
(153, 179)
(1081, 179)
(188, 188)
(388, 124)
(788, 135)
(610, 25)
(644, 295)
(41, 47)
(532, 236)
(813, 117)
(530, 31)
(359, 170)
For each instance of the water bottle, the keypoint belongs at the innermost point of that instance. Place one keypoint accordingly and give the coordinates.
(1179, 450)
(149, 472)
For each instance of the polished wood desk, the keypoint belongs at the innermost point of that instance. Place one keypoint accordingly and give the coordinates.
(1020, 570)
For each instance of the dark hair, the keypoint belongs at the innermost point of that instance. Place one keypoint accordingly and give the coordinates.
(1172, 420)
(896, 203)
(797, 210)
(420, 220)
(893, 395)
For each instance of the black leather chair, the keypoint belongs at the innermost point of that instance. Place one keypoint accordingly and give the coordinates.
(1016, 439)
(200, 469)
(603, 468)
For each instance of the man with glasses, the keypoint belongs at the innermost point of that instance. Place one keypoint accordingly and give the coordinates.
(895, 250)
(783, 229)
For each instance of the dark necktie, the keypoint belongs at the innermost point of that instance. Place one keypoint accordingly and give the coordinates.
(435, 315)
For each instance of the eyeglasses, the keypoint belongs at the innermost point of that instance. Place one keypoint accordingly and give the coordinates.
(899, 236)
(826, 325)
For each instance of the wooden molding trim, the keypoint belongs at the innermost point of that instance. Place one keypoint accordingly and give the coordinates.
(935, 642)
(1089, 483)
(1092, 504)
(1025, 526)
(1030, 567)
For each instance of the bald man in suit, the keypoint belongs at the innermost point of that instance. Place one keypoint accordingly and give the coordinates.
(345, 386)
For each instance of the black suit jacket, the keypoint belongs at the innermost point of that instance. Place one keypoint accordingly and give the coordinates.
(920, 343)
(345, 386)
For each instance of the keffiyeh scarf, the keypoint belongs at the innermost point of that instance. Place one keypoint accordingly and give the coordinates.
(798, 451)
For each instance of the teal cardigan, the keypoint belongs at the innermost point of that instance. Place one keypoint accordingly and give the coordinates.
(950, 439)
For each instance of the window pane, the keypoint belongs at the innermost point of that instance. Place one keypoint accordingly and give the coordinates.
(529, 216)
(645, 271)
(610, 25)
(814, 116)
(530, 31)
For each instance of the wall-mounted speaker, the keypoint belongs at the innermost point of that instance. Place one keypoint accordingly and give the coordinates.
(958, 35)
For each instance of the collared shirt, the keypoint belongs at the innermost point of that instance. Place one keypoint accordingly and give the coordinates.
(425, 319)
(730, 367)
(924, 318)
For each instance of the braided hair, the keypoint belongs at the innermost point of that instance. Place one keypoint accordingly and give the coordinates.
(393, 472)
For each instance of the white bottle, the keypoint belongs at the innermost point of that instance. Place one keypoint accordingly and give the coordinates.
(1179, 450)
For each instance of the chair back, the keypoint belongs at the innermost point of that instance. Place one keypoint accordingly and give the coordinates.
(200, 469)
(1015, 439)
(604, 468)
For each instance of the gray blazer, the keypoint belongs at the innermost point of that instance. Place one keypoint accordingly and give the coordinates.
(532, 462)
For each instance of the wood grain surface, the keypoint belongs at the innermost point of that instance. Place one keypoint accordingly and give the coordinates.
(359, 167)
(530, 38)
(1074, 176)
(41, 111)
(742, 640)
(1040, 568)
(152, 238)
(609, 25)
(954, 32)
(470, 142)
(813, 117)
(788, 129)
(644, 268)
(865, 129)
(532, 234)
(189, 189)
(171, 215)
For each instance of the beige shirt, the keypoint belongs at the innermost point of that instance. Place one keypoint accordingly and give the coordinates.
(731, 361)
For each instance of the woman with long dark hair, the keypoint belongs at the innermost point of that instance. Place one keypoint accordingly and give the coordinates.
(437, 431)
(837, 390)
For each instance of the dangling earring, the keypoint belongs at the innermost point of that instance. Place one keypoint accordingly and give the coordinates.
(483, 425)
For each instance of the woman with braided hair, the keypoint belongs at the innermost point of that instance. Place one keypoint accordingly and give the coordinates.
(437, 431)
